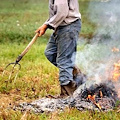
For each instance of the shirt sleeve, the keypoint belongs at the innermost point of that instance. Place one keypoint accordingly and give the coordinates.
(61, 10)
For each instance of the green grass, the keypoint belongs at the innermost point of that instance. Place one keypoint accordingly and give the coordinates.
(68, 114)
(19, 19)
(34, 68)
(37, 77)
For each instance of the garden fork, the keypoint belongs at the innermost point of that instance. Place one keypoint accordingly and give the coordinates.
(16, 63)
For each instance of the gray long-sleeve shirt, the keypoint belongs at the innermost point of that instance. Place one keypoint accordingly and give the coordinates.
(62, 12)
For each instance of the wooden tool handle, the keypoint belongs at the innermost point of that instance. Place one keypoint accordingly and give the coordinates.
(27, 48)
(29, 45)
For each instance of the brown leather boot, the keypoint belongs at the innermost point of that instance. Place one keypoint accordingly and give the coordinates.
(76, 71)
(67, 90)
(78, 76)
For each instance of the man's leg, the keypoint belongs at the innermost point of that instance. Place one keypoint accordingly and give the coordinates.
(78, 76)
(63, 49)
(66, 53)
(66, 45)
(51, 50)
(63, 46)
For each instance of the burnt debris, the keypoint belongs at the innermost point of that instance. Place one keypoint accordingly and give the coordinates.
(89, 96)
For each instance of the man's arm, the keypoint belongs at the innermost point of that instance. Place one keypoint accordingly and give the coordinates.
(41, 30)
(61, 10)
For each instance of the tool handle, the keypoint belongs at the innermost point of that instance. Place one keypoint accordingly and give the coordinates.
(27, 48)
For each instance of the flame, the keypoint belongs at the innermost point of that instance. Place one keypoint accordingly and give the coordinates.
(92, 98)
(116, 71)
(101, 94)
(114, 49)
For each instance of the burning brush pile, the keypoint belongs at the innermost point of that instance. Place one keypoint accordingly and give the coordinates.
(88, 96)
(101, 97)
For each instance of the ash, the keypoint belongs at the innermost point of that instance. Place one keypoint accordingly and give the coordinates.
(105, 97)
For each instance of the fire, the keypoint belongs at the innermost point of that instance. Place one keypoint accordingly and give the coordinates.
(114, 49)
(92, 98)
(101, 94)
(116, 71)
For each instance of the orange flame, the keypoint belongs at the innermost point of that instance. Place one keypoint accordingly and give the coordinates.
(92, 98)
(101, 94)
(114, 49)
(116, 71)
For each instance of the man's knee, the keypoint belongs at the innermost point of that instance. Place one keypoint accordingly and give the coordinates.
(51, 57)
(46, 53)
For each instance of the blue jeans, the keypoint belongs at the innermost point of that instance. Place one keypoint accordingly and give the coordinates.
(61, 50)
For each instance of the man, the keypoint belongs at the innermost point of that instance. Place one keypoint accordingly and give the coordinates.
(65, 20)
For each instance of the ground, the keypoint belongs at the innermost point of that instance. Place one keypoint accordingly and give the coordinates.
(37, 77)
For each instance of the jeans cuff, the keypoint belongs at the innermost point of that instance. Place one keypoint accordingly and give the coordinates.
(65, 82)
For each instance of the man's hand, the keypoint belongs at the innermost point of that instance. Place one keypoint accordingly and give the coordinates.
(41, 30)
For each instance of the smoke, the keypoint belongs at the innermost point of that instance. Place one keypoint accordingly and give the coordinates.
(97, 59)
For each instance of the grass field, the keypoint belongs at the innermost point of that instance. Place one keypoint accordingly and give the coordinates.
(19, 19)
(37, 78)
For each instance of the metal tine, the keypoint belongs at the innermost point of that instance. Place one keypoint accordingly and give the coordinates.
(17, 72)
(12, 71)
(6, 68)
